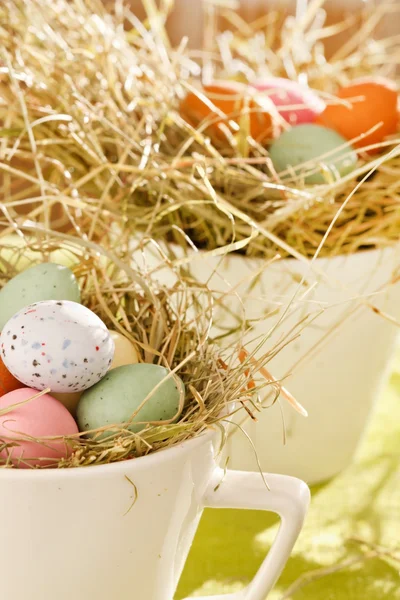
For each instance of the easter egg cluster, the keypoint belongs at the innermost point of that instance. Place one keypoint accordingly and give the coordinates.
(92, 376)
(305, 135)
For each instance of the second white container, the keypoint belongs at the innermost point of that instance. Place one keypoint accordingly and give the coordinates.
(335, 368)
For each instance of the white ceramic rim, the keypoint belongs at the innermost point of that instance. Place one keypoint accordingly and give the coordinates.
(143, 462)
(234, 256)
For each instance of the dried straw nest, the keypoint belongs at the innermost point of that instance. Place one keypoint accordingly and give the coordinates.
(91, 134)
(169, 323)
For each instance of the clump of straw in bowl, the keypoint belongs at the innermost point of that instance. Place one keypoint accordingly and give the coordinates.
(169, 324)
(92, 135)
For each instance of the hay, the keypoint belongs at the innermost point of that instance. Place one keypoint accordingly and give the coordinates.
(88, 122)
(93, 149)
(91, 135)
(169, 325)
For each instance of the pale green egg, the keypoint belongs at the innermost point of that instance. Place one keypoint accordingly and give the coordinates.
(327, 153)
(114, 399)
(47, 281)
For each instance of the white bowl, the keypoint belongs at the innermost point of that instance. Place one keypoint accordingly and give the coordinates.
(337, 382)
(335, 369)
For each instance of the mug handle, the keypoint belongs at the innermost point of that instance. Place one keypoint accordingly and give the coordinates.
(288, 497)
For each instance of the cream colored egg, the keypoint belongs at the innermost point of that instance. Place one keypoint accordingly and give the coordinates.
(67, 258)
(125, 352)
(17, 252)
(70, 401)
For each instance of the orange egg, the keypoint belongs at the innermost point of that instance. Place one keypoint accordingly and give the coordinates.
(8, 383)
(371, 103)
(223, 102)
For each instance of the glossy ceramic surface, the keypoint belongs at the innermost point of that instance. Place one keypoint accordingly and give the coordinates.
(335, 367)
(123, 531)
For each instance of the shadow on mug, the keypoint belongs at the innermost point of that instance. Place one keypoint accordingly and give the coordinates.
(126, 528)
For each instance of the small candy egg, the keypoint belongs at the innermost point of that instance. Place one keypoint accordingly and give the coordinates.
(59, 345)
(125, 352)
(369, 103)
(47, 281)
(17, 252)
(8, 383)
(311, 143)
(70, 401)
(230, 98)
(296, 103)
(115, 398)
(39, 418)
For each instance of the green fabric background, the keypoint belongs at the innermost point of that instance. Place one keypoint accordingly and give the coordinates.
(363, 502)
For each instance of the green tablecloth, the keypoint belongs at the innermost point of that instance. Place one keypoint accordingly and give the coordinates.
(363, 502)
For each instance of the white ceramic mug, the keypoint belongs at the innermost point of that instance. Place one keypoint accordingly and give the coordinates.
(123, 531)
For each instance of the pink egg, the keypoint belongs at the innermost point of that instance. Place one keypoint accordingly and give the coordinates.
(42, 417)
(295, 102)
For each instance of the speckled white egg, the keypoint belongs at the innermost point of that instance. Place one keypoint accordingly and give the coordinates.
(125, 354)
(56, 344)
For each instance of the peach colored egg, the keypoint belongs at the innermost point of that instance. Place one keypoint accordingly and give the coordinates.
(70, 401)
(125, 352)
(296, 103)
(42, 417)
(370, 103)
